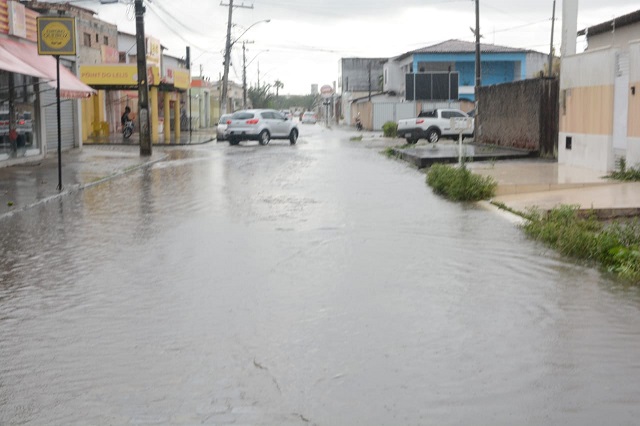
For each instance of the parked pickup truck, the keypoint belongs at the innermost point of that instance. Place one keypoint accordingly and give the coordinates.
(432, 125)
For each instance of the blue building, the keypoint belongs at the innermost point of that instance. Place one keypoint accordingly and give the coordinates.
(499, 64)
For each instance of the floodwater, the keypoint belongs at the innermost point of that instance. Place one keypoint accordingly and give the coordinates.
(321, 283)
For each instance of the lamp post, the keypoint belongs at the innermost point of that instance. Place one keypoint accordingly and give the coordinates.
(227, 56)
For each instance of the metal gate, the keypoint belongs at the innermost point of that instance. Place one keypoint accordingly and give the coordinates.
(392, 111)
(68, 119)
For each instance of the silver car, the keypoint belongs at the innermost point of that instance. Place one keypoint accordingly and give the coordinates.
(261, 125)
(221, 127)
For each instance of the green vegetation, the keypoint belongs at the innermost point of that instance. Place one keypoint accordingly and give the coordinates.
(10, 203)
(459, 184)
(614, 246)
(263, 97)
(625, 174)
(356, 138)
(390, 129)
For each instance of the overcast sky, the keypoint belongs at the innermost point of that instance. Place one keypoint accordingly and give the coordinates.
(305, 39)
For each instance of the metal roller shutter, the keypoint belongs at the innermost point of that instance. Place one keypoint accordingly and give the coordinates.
(68, 119)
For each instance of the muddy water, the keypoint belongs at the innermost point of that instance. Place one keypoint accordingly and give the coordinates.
(316, 284)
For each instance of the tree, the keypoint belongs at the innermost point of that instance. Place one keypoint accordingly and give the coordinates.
(278, 85)
(260, 96)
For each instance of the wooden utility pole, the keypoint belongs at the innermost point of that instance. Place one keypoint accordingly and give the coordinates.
(227, 56)
(143, 86)
(478, 70)
(553, 22)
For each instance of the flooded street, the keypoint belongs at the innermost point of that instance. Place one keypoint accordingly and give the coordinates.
(320, 283)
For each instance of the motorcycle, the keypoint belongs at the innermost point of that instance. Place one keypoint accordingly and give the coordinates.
(127, 130)
(358, 124)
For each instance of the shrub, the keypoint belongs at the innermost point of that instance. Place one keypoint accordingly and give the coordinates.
(615, 246)
(459, 184)
(390, 129)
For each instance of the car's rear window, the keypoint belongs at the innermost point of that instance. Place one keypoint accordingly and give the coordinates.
(428, 114)
(242, 115)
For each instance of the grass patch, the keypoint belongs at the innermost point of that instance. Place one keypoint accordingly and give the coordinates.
(459, 184)
(614, 246)
(356, 138)
(625, 174)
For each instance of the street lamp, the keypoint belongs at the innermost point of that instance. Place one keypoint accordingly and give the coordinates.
(227, 56)
(244, 73)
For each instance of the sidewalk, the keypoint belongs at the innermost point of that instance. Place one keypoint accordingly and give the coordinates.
(543, 184)
(23, 186)
(194, 137)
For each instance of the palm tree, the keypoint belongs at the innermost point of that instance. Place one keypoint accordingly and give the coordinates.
(278, 85)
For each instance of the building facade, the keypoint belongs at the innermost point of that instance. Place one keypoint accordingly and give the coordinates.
(499, 64)
(28, 114)
(600, 98)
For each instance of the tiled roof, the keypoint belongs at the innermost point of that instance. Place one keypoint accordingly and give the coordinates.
(459, 46)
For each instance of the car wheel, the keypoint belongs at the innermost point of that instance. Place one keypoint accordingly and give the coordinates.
(264, 137)
(233, 141)
(293, 136)
(412, 139)
(433, 136)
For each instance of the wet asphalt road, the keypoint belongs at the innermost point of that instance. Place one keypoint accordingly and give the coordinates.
(321, 283)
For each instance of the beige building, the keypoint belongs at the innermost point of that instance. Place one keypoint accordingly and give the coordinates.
(600, 97)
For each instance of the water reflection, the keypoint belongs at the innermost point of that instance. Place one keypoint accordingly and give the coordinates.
(322, 284)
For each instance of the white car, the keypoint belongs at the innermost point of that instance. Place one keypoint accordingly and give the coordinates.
(261, 125)
(309, 117)
(222, 126)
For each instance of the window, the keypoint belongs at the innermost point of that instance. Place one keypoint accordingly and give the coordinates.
(106, 40)
(97, 38)
(86, 37)
(457, 114)
(242, 115)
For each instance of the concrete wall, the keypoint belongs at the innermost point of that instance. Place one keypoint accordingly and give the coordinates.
(535, 63)
(522, 114)
(620, 38)
(586, 110)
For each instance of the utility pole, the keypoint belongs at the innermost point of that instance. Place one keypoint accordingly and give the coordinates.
(478, 69)
(553, 22)
(369, 81)
(244, 75)
(143, 86)
(227, 56)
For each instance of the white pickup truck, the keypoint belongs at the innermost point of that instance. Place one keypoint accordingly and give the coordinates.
(432, 125)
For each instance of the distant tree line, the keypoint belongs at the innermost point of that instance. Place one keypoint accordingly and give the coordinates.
(263, 97)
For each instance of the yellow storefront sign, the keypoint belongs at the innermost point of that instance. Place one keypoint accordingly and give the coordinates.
(109, 75)
(115, 75)
(181, 79)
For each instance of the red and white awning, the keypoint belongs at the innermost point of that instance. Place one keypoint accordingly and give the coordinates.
(22, 58)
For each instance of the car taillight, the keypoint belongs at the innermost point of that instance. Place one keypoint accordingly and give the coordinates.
(254, 121)
(21, 122)
(228, 121)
